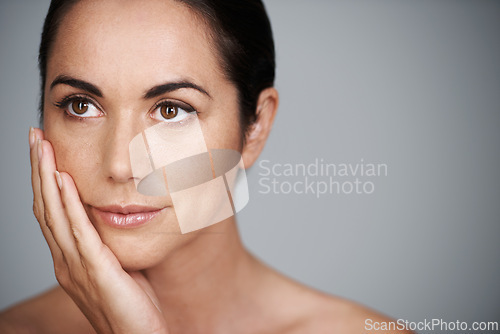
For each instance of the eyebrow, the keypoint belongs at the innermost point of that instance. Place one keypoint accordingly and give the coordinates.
(76, 83)
(151, 93)
(172, 86)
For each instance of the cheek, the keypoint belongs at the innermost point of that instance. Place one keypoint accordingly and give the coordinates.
(77, 159)
(222, 130)
(75, 154)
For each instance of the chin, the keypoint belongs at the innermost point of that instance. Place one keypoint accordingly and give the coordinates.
(142, 251)
(144, 247)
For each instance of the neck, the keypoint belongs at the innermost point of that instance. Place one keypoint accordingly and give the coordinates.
(200, 284)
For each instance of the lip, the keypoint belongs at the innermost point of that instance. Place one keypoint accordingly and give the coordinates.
(129, 216)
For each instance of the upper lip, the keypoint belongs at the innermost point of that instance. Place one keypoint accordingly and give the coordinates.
(128, 209)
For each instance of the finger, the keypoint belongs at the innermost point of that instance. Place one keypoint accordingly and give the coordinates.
(54, 214)
(87, 239)
(34, 135)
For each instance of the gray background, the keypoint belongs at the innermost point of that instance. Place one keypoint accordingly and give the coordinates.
(413, 84)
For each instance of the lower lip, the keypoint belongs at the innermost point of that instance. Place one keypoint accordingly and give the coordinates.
(130, 220)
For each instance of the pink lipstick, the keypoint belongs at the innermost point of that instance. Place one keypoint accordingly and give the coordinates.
(128, 216)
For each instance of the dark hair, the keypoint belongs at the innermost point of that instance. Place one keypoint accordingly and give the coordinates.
(240, 30)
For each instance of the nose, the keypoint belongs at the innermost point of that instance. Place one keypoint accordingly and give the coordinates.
(116, 158)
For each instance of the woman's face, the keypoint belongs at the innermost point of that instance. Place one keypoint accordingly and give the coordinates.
(107, 55)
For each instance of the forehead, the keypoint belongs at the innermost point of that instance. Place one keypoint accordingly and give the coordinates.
(125, 42)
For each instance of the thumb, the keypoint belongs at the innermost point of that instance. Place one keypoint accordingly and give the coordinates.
(143, 282)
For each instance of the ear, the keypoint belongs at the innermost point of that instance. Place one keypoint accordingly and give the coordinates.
(267, 105)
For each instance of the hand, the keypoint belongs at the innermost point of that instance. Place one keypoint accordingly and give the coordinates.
(113, 300)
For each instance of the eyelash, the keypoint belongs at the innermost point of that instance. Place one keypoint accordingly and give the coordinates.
(65, 102)
(170, 103)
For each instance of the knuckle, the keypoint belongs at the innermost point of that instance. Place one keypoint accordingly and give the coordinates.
(80, 275)
(62, 275)
(76, 233)
(48, 220)
(37, 211)
(85, 266)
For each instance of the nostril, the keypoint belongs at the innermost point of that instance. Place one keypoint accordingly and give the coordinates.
(121, 173)
(117, 165)
(115, 149)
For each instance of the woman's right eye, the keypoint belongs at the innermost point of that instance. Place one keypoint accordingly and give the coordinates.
(81, 108)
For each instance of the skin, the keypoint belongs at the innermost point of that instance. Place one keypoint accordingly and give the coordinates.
(150, 279)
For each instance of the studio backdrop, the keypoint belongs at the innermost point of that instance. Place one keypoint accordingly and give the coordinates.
(379, 182)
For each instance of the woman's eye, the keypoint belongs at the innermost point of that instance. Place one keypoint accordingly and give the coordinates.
(170, 113)
(83, 108)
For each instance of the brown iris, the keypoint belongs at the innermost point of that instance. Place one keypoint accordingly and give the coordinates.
(80, 107)
(168, 112)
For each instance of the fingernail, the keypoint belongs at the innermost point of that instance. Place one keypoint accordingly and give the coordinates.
(40, 150)
(59, 180)
(32, 137)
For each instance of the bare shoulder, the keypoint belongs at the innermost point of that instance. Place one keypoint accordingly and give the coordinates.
(50, 312)
(320, 313)
(330, 314)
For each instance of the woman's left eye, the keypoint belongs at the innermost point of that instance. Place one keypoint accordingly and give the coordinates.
(170, 113)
